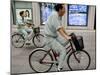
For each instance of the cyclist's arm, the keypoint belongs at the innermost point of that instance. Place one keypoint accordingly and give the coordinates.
(20, 23)
(57, 25)
(62, 33)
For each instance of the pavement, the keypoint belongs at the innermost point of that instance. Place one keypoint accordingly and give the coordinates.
(20, 56)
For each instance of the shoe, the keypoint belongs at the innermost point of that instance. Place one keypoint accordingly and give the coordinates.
(59, 69)
(28, 43)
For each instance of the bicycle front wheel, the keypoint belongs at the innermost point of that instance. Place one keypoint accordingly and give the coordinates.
(35, 61)
(38, 40)
(18, 40)
(79, 60)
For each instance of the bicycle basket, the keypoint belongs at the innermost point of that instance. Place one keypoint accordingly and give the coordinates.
(77, 41)
(37, 30)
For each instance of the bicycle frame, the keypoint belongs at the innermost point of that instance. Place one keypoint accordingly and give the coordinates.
(69, 48)
(34, 34)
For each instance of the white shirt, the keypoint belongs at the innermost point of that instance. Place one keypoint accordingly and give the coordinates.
(21, 22)
(53, 23)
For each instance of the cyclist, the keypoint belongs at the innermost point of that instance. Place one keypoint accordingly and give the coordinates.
(56, 37)
(24, 25)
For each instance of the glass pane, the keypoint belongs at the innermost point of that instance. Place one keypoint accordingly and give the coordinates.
(78, 8)
(77, 15)
(46, 10)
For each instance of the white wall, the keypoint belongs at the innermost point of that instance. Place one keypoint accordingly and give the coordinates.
(91, 17)
(36, 13)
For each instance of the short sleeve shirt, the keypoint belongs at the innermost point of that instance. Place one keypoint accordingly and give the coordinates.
(53, 23)
(21, 22)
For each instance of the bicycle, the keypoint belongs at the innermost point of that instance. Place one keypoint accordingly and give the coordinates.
(18, 39)
(41, 60)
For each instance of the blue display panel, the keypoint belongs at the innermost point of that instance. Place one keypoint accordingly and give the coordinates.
(77, 15)
(45, 11)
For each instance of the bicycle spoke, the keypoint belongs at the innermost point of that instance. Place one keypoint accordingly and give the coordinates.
(38, 40)
(35, 63)
(79, 60)
(17, 40)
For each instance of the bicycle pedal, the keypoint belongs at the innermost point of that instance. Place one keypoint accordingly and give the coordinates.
(28, 43)
(56, 64)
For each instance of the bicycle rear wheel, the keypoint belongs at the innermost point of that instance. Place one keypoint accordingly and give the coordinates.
(18, 40)
(38, 40)
(79, 60)
(36, 65)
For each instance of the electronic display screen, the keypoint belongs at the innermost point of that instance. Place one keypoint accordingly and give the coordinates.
(46, 10)
(77, 15)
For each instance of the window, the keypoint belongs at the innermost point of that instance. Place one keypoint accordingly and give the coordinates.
(77, 15)
(18, 6)
(45, 11)
(28, 14)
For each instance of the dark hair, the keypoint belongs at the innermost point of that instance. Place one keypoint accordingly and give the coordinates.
(58, 6)
(28, 13)
(21, 13)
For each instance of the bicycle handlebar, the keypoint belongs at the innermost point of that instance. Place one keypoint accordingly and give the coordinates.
(72, 35)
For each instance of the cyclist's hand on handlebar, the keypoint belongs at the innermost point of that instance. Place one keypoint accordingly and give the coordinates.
(68, 37)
